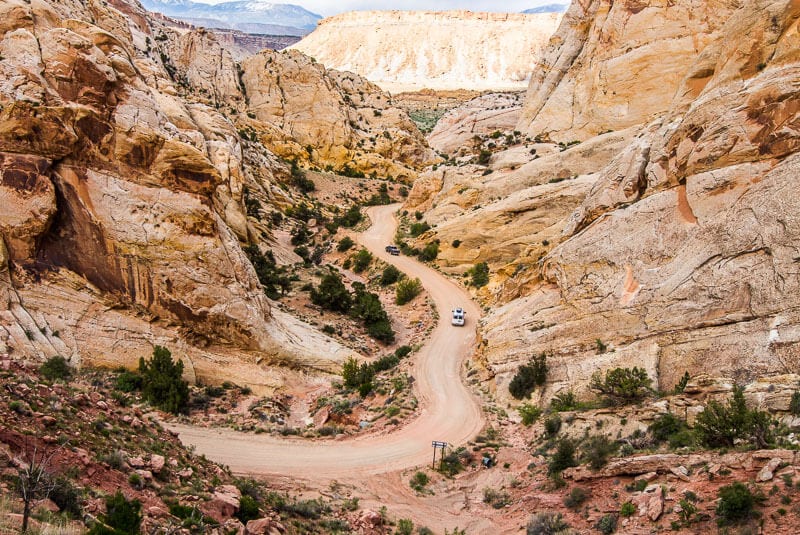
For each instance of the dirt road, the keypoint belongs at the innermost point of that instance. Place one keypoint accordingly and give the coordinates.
(447, 410)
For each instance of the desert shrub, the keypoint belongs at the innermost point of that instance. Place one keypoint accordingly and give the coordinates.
(162, 382)
(361, 260)
(479, 274)
(402, 351)
(406, 290)
(385, 363)
(564, 401)
(453, 462)
(300, 235)
(576, 497)
(273, 278)
(627, 509)
(564, 457)
(300, 180)
(665, 426)
(404, 527)
(597, 450)
(331, 294)
(67, 497)
(794, 404)
(248, 509)
(529, 413)
(546, 523)
(736, 503)
(552, 425)
(528, 377)
(418, 228)
(430, 252)
(128, 381)
(456, 244)
(607, 524)
(136, 481)
(55, 369)
(350, 218)
(622, 385)
(496, 498)
(345, 244)
(721, 425)
(419, 481)
(390, 275)
(358, 376)
(484, 157)
(681, 386)
(368, 308)
(122, 517)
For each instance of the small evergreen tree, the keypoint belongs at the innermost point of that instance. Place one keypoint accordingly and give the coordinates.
(406, 290)
(162, 382)
(390, 275)
(332, 294)
(622, 385)
(56, 369)
(122, 517)
(528, 377)
(479, 274)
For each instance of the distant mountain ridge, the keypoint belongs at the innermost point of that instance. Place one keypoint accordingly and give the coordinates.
(253, 16)
(549, 8)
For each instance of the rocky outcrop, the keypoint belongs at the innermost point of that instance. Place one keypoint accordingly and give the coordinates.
(345, 119)
(612, 65)
(412, 50)
(122, 184)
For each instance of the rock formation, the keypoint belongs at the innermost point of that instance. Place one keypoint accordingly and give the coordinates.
(122, 175)
(675, 245)
(411, 50)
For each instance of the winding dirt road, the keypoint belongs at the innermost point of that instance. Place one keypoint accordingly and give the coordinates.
(447, 410)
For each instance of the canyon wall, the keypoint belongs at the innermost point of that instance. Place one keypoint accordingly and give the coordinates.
(412, 50)
(125, 151)
(670, 244)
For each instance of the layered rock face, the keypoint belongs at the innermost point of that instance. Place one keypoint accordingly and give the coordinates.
(122, 172)
(612, 65)
(411, 50)
(678, 250)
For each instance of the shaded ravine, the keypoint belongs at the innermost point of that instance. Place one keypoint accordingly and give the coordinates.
(447, 410)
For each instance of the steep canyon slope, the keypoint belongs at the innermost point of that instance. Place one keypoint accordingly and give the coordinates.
(412, 50)
(673, 240)
(126, 149)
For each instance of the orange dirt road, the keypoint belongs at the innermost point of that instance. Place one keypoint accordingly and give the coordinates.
(447, 410)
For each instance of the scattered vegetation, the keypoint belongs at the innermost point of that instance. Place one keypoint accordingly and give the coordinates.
(162, 382)
(622, 386)
(55, 369)
(721, 425)
(528, 377)
(406, 290)
(479, 275)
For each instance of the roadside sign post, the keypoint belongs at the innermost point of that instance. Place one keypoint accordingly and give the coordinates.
(438, 445)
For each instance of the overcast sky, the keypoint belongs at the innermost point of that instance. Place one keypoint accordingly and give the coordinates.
(328, 7)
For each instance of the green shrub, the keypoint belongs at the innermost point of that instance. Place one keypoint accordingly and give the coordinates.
(418, 228)
(419, 481)
(597, 450)
(484, 157)
(406, 290)
(564, 457)
(528, 377)
(162, 382)
(607, 524)
(430, 252)
(736, 503)
(402, 351)
(552, 425)
(721, 425)
(404, 527)
(681, 386)
(331, 294)
(55, 369)
(547, 523)
(122, 517)
(368, 308)
(350, 218)
(128, 381)
(456, 244)
(529, 413)
(453, 462)
(496, 498)
(576, 497)
(627, 509)
(622, 385)
(390, 275)
(273, 278)
(345, 244)
(361, 260)
(666, 426)
(135, 480)
(479, 274)
(564, 401)
(67, 497)
(794, 404)
(248, 509)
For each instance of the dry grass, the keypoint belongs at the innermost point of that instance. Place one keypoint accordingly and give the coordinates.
(10, 524)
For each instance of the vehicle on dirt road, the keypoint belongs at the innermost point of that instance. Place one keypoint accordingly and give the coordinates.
(392, 250)
(459, 317)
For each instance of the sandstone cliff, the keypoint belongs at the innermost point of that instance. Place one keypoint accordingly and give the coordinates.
(673, 242)
(122, 175)
(411, 50)
(612, 65)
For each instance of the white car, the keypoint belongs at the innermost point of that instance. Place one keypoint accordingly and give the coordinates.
(458, 317)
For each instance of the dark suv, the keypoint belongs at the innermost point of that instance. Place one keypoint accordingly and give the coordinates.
(392, 250)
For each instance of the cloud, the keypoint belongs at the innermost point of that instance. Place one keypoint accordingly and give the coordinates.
(328, 7)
